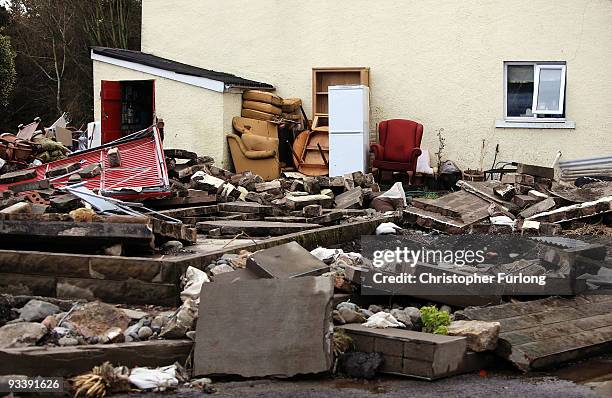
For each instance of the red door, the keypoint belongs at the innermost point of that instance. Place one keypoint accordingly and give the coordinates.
(111, 110)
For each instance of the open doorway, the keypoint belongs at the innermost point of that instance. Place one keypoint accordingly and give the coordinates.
(127, 106)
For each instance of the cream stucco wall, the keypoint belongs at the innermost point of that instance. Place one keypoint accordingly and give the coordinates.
(195, 118)
(439, 62)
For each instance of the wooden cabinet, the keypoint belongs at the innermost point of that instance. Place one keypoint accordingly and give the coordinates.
(322, 78)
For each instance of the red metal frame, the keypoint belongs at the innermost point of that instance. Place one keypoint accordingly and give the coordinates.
(142, 174)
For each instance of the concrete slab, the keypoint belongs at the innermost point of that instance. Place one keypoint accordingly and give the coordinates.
(288, 260)
(423, 355)
(266, 327)
(543, 333)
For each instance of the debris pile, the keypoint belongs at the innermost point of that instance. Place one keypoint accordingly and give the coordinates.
(526, 201)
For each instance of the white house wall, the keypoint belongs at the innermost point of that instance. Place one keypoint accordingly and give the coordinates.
(438, 62)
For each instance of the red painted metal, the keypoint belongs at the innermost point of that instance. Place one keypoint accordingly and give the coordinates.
(111, 110)
(142, 174)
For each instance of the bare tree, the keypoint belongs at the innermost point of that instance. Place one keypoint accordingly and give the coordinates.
(44, 33)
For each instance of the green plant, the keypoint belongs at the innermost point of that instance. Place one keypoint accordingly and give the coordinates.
(430, 195)
(434, 320)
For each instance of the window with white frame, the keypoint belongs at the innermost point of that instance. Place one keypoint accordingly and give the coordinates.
(534, 91)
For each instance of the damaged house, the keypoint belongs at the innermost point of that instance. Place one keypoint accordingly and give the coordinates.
(519, 76)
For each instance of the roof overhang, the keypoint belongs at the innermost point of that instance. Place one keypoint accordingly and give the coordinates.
(197, 81)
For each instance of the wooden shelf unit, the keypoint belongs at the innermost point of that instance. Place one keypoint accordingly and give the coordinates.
(322, 78)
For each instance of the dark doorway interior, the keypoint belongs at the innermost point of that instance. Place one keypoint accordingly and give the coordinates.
(127, 106)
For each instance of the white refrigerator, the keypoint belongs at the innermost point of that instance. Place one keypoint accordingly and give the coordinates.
(349, 127)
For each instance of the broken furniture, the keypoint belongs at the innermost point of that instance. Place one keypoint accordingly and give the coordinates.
(311, 150)
(245, 125)
(252, 152)
(349, 129)
(398, 146)
(261, 105)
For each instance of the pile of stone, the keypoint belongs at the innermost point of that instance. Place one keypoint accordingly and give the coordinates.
(41, 322)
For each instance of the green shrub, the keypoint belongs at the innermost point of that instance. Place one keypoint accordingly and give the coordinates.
(434, 320)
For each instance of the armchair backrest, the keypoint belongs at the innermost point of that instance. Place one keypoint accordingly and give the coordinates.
(399, 137)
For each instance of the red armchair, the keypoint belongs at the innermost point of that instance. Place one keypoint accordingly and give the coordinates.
(398, 147)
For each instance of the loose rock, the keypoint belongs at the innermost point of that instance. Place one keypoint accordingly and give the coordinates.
(37, 310)
(481, 336)
(21, 334)
(360, 364)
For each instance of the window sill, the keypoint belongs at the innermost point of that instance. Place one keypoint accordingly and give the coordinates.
(505, 124)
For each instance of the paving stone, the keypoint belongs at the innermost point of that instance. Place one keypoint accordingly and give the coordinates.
(237, 330)
(289, 260)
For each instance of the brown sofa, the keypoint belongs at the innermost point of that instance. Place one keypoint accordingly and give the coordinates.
(255, 153)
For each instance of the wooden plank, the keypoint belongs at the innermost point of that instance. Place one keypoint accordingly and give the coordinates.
(71, 361)
(194, 198)
(254, 228)
(536, 171)
(191, 211)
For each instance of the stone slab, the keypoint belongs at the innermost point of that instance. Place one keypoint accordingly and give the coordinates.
(543, 333)
(266, 327)
(254, 228)
(423, 355)
(288, 260)
(72, 361)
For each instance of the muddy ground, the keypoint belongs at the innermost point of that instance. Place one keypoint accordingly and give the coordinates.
(589, 378)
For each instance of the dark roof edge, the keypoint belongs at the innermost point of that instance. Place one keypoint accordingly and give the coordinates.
(228, 79)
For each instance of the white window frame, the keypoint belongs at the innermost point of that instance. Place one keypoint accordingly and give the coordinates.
(534, 118)
(536, 90)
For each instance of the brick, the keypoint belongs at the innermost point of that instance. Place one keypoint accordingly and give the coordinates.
(17, 176)
(30, 186)
(523, 201)
(536, 171)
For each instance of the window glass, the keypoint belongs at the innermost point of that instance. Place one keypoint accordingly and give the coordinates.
(549, 89)
(520, 90)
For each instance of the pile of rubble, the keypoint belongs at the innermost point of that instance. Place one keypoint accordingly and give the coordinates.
(528, 200)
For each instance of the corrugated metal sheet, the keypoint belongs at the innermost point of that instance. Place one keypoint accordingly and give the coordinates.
(142, 174)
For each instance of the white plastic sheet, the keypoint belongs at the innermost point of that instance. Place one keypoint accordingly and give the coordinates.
(396, 192)
(194, 278)
(383, 320)
(149, 379)
(387, 228)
